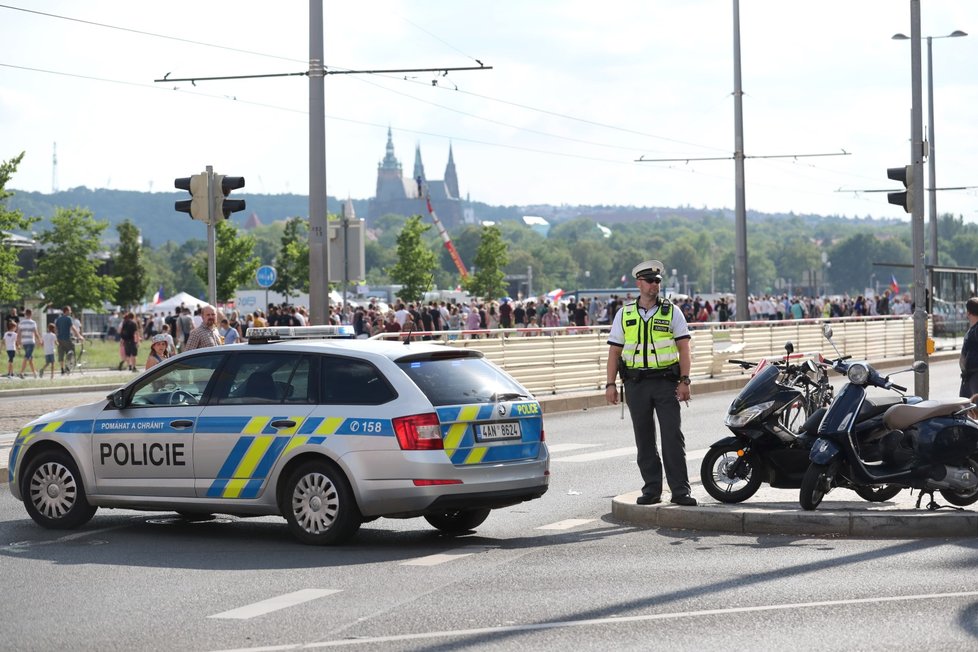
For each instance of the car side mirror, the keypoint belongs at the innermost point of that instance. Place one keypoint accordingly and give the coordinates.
(118, 398)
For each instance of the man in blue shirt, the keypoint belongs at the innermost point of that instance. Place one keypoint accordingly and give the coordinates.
(969, 351)
(65, 327)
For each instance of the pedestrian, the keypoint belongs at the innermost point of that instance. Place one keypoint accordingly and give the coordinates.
(206, 334)
(11, 342)
(649, 347)
(969, 351)
(66, 329)
(129, 332)
(50, 340)
(229, 334)
(27, 337)
(159, 350)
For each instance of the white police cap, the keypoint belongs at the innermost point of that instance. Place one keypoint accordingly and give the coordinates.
(648, 269)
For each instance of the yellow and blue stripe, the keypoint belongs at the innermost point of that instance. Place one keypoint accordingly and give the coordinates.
(458, 434)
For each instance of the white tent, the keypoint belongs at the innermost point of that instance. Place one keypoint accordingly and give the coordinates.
(174, 302)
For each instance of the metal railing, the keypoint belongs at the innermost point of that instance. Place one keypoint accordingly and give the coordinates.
(553, 360)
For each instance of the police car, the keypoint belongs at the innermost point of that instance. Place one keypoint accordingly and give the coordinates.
(324, 431)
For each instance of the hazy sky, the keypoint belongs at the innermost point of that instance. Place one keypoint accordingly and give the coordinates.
(578, 91)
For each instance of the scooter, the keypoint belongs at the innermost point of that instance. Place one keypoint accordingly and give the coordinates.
(774, 420)
(930, 446)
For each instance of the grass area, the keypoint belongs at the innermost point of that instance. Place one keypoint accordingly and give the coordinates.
(99, 365)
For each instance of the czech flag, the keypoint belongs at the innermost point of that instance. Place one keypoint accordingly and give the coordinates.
(894, 286)
(554, 295)
(158, 297)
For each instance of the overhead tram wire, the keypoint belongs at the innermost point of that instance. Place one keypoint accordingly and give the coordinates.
(145, 33)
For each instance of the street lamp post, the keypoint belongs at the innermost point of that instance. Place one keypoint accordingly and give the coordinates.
(931, 165)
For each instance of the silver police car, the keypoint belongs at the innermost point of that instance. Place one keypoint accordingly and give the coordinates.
(326, 432)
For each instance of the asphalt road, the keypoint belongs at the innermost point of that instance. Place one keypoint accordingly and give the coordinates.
(555, 573)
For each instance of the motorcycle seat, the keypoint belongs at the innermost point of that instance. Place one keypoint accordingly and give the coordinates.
(900, 417)
(877, 405)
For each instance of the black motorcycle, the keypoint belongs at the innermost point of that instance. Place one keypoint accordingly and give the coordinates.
(774, 420)
(930, 446)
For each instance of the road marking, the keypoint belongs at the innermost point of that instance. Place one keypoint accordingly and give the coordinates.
(597, 455)
(566, 525)
(441, 558)
(275, 604)
(491, 631)
(696, 455)
(561, 448)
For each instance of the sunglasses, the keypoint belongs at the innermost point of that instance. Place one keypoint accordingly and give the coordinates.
(651, 280)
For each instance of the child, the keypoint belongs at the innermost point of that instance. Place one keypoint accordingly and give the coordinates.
(10, 339)
(50, 340)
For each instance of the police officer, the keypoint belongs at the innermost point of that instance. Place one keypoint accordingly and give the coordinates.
(649, 346)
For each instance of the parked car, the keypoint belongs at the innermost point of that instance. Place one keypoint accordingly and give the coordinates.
(327, 433)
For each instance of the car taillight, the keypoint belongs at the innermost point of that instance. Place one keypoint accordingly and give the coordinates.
(418, 432)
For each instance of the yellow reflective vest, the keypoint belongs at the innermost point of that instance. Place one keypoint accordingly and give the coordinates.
(649, 344)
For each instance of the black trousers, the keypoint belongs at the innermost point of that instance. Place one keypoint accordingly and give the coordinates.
(648, 399)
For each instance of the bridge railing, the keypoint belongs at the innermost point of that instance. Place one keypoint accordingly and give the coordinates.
(553, 360)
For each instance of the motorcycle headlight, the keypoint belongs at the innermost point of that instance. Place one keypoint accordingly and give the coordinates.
(858, 373)
(747, 415)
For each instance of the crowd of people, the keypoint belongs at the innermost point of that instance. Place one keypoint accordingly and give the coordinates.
(190, 327)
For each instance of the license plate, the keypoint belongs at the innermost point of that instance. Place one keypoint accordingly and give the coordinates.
(501, 430)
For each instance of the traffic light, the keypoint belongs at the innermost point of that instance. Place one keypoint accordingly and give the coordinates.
(197, 187)
(905, 176)
(222, 188)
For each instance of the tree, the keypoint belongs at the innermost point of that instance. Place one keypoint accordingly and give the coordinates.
(236, 261)
(10, 290)
(130, 273)
(415, 261)
(68, 272)
(292, 262)
(488, 280)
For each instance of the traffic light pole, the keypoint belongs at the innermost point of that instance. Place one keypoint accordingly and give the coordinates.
(211, 240)
(921, 381)
(318, 249)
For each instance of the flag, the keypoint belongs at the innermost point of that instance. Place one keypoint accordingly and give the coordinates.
(894, 286)
(158, 297)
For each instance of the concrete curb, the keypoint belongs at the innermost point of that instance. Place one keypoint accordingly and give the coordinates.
(779, 516)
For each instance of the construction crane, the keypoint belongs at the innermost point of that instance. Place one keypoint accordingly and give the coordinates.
(444, 236)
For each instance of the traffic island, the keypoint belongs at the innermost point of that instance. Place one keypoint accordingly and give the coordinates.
(776, 511)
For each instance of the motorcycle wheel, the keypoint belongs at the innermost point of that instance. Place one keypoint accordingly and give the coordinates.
(717, 482)
(959, 498)
(817, 482)
(877, 493)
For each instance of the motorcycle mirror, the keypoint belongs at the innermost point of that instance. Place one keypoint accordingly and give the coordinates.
(919, 367)
(789, 348)
(827, 332)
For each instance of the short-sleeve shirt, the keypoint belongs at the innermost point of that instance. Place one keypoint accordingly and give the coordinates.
(28, 331)
(680, 329)
(63, 325)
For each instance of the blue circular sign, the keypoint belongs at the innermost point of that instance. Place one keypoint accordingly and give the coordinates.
(266, 276)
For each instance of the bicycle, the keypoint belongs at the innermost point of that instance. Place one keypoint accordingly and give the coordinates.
(74, 360)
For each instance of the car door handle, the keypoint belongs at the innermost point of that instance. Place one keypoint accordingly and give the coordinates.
(286, 423)
(182, 423)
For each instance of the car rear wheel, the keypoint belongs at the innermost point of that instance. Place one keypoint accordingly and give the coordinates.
(54, 494)
(319, 505)
(459, 520)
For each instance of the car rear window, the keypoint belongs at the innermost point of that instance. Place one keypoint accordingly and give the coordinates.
(460, 380)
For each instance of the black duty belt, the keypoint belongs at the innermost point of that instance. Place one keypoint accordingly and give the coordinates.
(643, 374)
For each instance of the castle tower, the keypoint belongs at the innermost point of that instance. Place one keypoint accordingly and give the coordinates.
(389, 184)
(418, 165)
(451, 178)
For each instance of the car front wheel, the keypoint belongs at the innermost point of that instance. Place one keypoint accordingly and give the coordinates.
(319, 505)
(54, 494)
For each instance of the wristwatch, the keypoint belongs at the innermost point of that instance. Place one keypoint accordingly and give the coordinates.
(685, 379)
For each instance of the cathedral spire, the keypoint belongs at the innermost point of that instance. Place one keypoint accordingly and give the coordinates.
(390, 161)
(451, 178)
(418, 165)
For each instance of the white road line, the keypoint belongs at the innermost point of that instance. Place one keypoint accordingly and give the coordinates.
(275, 604)
(696, 455)
(566, 525)
(597, 455)
(561, 448)
(441, 558)
(591, 622)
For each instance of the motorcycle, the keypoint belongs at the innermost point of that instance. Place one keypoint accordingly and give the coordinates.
(929, 446)
(774, 420)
